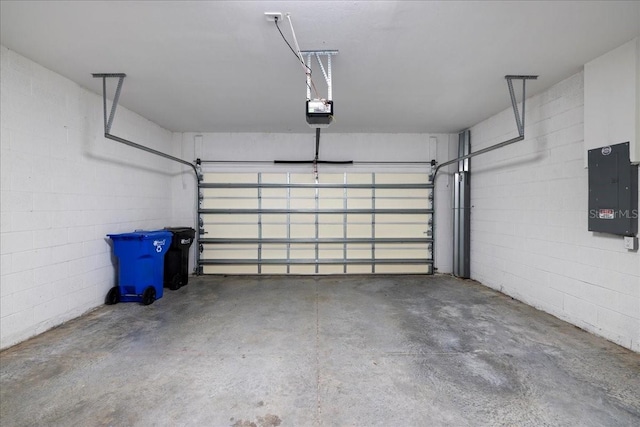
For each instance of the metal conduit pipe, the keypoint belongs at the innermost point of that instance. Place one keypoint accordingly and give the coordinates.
(108, 122)
(519, 124)
(152, 151)
(452, 161)
(477, 153)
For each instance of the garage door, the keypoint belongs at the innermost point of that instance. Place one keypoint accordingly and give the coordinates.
(290, 223)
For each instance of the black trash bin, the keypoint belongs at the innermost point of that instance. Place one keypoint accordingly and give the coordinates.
(176, 262)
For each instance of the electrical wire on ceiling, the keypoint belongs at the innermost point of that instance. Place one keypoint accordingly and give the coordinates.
(298, 54)
(318, 110)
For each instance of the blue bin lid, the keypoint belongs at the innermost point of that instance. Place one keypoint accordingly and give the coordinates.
(141, 235)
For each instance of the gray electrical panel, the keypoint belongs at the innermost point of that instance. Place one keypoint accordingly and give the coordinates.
(613, 191)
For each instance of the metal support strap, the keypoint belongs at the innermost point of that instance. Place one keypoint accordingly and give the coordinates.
(260, 224)
(519, 122)
(108, 122)
(326, 72)
(345, 219)
(317, 223)
(288, 223)
(373, 222)
(120, 76)
(514, 103)
(114, 105)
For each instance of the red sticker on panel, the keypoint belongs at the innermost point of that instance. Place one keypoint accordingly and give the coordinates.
(606, 214)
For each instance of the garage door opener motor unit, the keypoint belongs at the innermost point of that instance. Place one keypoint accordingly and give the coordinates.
(318, 110)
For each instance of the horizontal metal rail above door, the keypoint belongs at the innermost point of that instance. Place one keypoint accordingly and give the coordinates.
(319, 185)
(348, 240)
(314, 211)
(326, 261)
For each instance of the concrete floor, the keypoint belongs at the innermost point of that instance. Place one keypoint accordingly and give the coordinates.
(320, 351)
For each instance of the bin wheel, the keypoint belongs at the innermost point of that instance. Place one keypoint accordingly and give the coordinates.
(113, 296)
(174, 283)
(149, 295)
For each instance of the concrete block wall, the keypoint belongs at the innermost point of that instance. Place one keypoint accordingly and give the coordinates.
(63, 188)
(529, 236)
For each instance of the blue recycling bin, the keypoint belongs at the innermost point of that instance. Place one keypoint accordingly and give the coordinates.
(141, 266)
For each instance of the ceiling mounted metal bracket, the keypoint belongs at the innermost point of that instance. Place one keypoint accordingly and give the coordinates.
(120, 76)
(514, 103)
(108, 121)
(519, 122)
(325, 72)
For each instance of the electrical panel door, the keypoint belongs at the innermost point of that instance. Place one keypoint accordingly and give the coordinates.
(613, 191)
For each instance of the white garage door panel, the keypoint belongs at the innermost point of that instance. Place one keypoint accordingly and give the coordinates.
(274, 251)
(359, 269)
(305, 178)
(331, 251)
(405, 203)
(401, 219)
(306, 200)
(303, 251)
(231, 252)
(302, 219)
(224, 178)
(333, 219)
(230, 219)
(359, 230)
(279, 223)
(330, 230)
(331, 203)
(359, 203)
(274, 269)
(231, 193)
(280, 178)
(274, 231)
(302, 269)
(402, 269)
(400, 230)
(358, 251)
(232, 231)
(359, 178)
(230, 269)
(237, 203)
(331, 193)
(303, 231)
(401, 178)
(274, 203)
(330, 269)
(394, 251)
(402, 193)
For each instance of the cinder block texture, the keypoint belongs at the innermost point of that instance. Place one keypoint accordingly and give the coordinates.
(64, 186)
(529, 236)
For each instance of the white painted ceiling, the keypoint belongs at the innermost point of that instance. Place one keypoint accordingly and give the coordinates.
(403, 66)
